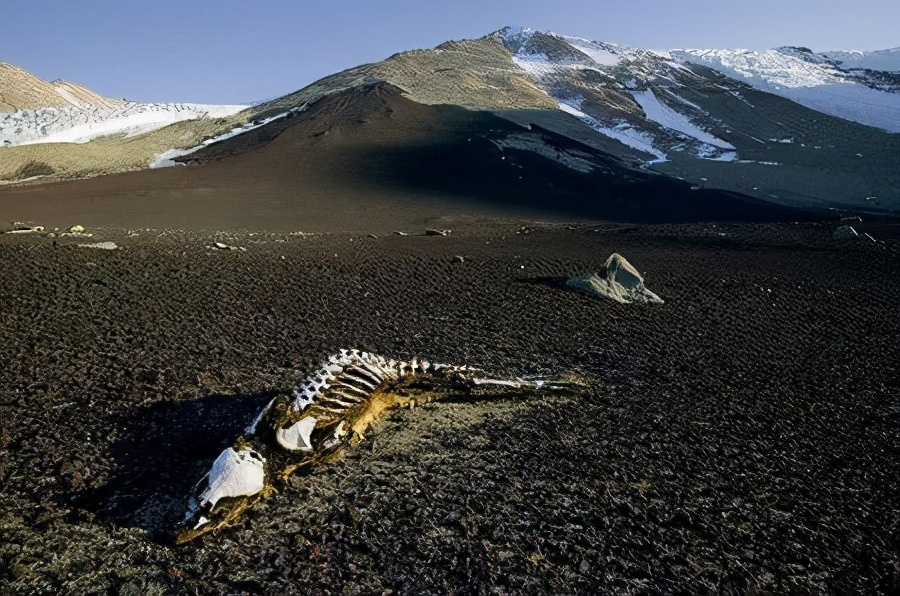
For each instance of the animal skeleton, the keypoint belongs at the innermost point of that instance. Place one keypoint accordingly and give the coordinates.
(330, 409)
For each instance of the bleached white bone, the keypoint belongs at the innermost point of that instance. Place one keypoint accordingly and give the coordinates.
(297, 436)
(234, 474)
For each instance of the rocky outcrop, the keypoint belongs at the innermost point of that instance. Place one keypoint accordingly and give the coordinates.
(618, 281)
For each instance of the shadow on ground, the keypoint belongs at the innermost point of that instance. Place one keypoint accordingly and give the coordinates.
(163, 451)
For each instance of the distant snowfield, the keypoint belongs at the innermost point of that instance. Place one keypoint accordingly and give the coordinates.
(819, 86)
(80, 125)
(887, 60)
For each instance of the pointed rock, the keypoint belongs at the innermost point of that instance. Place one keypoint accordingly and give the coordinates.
(618, 280)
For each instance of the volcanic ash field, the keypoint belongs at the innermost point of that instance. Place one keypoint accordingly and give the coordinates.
(740, 436)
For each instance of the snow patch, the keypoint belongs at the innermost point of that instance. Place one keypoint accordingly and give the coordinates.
(601, 53)
(622, 132)
(536, 65)
(680, 99)
(669, 118)
(727, 156)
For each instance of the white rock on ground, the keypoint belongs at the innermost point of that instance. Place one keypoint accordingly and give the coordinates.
(618, 281)
(101, 245)
(20, 228)
(235, 474)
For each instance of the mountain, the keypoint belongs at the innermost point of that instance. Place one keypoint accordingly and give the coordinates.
(22, 90)
(667, 112)
(369, 158)
(38, 112)
(551, 123)
(694, 121)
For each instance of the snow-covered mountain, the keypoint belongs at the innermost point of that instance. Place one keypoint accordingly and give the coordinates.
(634, 96)
(37, 111)
(612, 78)
(719, 117)
(788, 126)
(837, 83)
(883, 60)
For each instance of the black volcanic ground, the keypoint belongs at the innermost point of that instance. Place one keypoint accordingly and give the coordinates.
(370, 159)
(742, 437)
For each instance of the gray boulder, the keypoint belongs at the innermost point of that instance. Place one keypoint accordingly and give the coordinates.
(618, 280)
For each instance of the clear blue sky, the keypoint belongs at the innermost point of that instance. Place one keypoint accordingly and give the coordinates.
(234, 52)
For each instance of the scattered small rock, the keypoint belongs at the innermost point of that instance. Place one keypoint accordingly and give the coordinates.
(433, 232)
(399, 233)
(76, 231)
(459, 259)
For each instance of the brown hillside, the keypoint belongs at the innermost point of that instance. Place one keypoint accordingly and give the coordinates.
(21, 90)
(327, 168)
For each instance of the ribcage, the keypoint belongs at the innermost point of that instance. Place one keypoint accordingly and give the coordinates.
(330, 408)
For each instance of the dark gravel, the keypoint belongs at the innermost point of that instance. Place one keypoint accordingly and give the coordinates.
(740, 438)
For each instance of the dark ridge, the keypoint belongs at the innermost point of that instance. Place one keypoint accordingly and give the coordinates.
(370, 159)
(460, 158)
